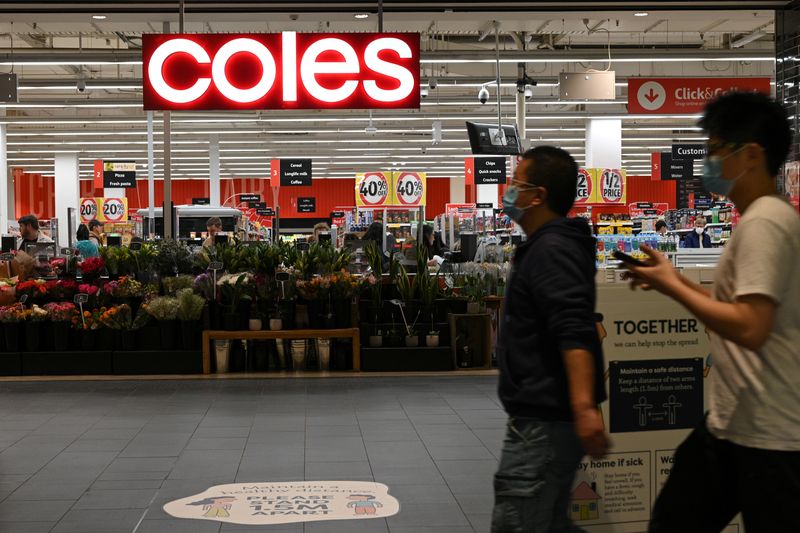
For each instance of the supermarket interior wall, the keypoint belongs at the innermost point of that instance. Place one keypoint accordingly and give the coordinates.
(35, 194)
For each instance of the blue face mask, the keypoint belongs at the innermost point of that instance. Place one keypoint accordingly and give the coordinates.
(510, 203)
(712, 175)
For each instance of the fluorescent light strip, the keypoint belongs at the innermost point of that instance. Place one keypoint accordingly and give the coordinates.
(64, 63)
(601, 60)
(72, 87)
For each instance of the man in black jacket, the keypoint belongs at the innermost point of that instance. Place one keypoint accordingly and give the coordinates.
(549, 352)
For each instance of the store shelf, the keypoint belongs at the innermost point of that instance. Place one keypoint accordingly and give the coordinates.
(715, 224)
(398, 224)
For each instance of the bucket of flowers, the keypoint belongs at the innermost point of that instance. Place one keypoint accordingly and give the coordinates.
(35, 318)
(60, 314)
(11, 316)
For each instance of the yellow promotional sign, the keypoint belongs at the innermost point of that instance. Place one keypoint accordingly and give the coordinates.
(104, 209)
(586, 192)
(611, 185)
(374, 189)
(409, 188)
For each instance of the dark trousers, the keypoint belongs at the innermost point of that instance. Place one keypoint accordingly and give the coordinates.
(712, 480)
(533, 484)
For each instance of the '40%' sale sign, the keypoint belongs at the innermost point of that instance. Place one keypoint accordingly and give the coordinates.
(601, 186)
(390, 189)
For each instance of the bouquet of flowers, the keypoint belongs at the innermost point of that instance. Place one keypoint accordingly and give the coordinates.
(233, 288)
(60, 311)
(62, 289)
(35, 289)
(124, 287)
(190, 305)
(36, 314)
(344, 285)
(120, 318)
(313, 289)
(162, 308)
(92, 267)
(12, 313)
(7, 291)
(90, 320)
(204, 285)
(173, 284)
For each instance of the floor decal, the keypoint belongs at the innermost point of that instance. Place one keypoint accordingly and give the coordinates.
(287, 502)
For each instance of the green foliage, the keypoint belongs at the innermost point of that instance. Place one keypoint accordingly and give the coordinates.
(118, 260)
(232, 290)
(173, 284)
(144, 259)
(374, 258)
(173, 258)
(428, 287)
(190, 305)
(163, 308)
(406, 285)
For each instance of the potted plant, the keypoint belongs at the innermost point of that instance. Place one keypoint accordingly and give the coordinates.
(60, 316)
(376, 339)
(432, 338)
(232, 290)
(10, 317)
(190, 309)
(256, 322)
(34, 319)
(275, 321)
(164, 310)
(412, 339)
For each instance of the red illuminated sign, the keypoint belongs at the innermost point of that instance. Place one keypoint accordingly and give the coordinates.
(286, 70)
(684, 95)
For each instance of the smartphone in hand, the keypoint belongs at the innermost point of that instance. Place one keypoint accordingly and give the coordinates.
(628, 259)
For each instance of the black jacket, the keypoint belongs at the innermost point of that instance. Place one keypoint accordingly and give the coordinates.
(550, 307)
(692, 240)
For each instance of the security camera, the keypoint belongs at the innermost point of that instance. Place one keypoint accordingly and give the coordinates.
(294, 16)
(528, 93)
(432, 83)
(423, 92)
(483, 95)
(81, 86)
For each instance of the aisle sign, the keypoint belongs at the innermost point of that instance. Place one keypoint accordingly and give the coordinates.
(290, 172)
(201, 201)
(688, 151)
(119, 174)
(374, 189)
(307, 205)
(675, 169)
(485, 170)
(285, 70)
(684, 95)
(586, 192)
(409, 188)
(104, 209)
(612, 186)
(249, 198)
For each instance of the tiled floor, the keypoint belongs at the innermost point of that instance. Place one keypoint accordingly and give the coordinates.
(104, 457)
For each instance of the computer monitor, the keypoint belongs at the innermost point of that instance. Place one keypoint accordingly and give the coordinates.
(323, 237)
(469, 245)
(114, 241)
(36, 249)
(484, 139)
(9, 243)
(220, 240)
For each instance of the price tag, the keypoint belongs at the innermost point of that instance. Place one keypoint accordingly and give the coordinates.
(66, 252)
(409, 188)
(88, 210)
(8, 256)
(372, 189)
(216, 265)
(81, 298)
(113, 210)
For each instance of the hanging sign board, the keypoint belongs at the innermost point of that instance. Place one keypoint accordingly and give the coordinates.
(688, 151)
(249, 198)
(684, 95)
(119, 174)
(285, 70)
(586, 192)
(485, 170)
(307, 205)
(409, 188)
(374, 189)
(104, 209)
(201, 201)
(291, 172)
(612, 185)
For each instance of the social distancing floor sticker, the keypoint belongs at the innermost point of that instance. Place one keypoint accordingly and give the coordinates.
(287, 502)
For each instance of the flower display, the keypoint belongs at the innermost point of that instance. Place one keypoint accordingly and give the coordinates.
(35, 289)
(121, 318)
(92, 267)
(124, 287)
(89, 320)
(36, 314)
(12, 313)
(60, 311)
(162, 308)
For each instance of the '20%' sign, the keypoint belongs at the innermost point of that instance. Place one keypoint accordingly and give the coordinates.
(104, 209)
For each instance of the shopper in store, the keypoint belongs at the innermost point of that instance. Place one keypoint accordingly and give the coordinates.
(375, 234)
(319, 227)
(549, 352)
(214, 228)
(698, 238)
(85, 246)
(745, 457)
(29, 232)
(661, 228)
(96, 232)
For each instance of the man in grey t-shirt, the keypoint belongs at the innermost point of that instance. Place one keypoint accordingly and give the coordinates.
(745, 458)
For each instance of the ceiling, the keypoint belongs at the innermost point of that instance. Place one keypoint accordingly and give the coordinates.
(53, 45)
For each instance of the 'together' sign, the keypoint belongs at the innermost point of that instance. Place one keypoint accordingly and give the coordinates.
(286, 70)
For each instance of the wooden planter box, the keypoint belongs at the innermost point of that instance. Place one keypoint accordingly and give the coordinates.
(158, 362)
(404, 359)
(66, 363)
(10, 364)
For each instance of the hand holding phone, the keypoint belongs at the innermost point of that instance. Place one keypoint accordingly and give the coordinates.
(628, 259)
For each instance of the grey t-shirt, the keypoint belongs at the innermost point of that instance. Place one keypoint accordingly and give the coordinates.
(755, 396)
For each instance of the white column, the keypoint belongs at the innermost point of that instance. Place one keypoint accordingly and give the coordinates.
(213, 170)
(114, 192)
(603, 143)
(67, 192)
(6, 209)
(458, 191)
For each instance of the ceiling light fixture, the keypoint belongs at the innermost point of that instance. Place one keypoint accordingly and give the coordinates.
(361, 16)
(99, 17)
(641, 14)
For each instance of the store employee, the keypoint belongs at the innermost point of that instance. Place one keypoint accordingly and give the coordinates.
(698, 238)
(214, 227)
(29, 232)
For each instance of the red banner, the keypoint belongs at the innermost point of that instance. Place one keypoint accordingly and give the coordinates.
(286, 70)
(684, 95)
